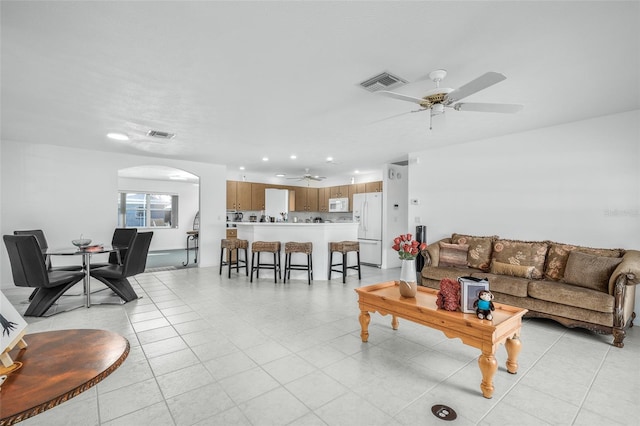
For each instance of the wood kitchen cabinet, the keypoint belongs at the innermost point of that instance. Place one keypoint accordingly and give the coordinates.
(306, 199)
(373, 186)
(251, 195)
(339, 191)
(323, 199)
(238, 195)
(356, 188)
(257, 196)
(312, 199)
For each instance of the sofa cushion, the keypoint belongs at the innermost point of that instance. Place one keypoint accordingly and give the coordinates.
(521, 271)
(559, 254)
(505, 284)
(522, 253)
(453, 255)
(479, 255)
(590, 271)
(571, 295)
(566, 312)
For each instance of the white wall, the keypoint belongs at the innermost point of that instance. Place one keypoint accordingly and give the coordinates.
(188, 204)
(67, 191)
(576, 183)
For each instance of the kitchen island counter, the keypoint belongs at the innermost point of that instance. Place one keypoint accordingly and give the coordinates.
(320, 234)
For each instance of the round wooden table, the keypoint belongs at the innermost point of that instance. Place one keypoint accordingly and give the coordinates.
(58, 365)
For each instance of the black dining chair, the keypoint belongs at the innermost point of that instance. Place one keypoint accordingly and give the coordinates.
(28, 269)
(122, 237)
(135, 261)
(44, 246)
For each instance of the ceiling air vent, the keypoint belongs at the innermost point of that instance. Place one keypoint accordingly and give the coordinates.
(382, 81)
(160, 135)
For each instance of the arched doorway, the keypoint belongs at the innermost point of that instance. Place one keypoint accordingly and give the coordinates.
(164, 200)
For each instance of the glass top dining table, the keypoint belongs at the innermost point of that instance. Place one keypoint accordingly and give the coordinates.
(86, 253)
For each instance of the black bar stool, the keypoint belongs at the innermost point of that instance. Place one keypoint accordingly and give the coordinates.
(344, 247)
(232, 245)
(266, 247)
(294, 247)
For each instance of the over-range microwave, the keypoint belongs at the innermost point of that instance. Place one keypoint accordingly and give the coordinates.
(338, 204)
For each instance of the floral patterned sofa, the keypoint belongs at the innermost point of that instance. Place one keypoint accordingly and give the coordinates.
(575, 286)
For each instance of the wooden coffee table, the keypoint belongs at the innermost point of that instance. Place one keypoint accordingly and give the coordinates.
(485, 335)
(58, 365)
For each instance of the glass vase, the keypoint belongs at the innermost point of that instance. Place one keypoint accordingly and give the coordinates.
(408, 283)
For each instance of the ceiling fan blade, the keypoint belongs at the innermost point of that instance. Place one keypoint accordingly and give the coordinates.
(400, 96)
(480, 83)
(483, 107)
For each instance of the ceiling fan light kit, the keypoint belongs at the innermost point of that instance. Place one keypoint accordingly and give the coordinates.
(440, 97)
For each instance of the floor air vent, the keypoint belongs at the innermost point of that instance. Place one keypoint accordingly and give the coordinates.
(160, 135)
(382, 81)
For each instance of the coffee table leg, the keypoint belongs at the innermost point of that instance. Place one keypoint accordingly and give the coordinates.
(488, 367)
(513, 346)
(364, 324)
(394, 322)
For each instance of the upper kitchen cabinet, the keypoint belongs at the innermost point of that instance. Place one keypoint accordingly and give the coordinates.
(339, 191)
(306, 199)
(357, 188)
(238, 195)
(323, 199)
(257, 196)
(373, 186)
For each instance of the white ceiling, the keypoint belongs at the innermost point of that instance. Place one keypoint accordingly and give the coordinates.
(237, 81)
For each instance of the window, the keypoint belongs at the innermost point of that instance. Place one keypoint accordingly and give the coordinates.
(147, 210)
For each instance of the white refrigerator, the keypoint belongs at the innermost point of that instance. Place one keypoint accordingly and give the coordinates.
(367, 212)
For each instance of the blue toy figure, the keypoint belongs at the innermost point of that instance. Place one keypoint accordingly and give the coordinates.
(484, 305)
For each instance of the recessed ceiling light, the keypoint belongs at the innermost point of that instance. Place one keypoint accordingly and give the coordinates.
(265, 158)
(241, 167)
(280, 175)
(293, 156)
(356, 171)
(118, 136)
(329, 158)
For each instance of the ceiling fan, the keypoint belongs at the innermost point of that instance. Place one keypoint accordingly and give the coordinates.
(308, 177)
(437, 99)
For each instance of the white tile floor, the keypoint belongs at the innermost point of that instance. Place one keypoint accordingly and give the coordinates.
(206, 350)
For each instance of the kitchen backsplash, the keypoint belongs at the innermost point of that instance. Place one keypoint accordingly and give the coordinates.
(302, 216)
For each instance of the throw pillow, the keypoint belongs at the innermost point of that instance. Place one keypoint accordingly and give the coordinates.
(590, 271)
(453, 255)
(522, 271)
(479, 255)
(559, 254)
(523, 253)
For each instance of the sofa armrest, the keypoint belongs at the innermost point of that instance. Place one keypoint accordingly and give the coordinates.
(432, 253)
(629, 268)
